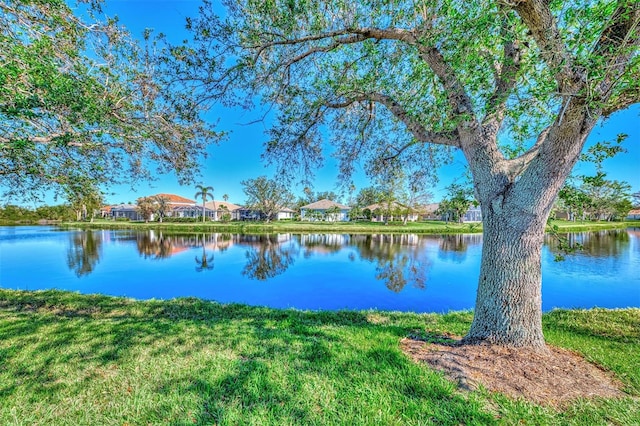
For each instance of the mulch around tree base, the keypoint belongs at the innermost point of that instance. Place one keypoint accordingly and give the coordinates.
(554, 379)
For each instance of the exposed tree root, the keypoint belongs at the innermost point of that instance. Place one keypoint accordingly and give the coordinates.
(555, 378)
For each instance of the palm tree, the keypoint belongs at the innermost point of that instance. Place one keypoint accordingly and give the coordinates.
(205, 192)
(162, 206)
(225, 197)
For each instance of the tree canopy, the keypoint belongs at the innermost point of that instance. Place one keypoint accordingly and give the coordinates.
(267, 196)
(83, 104)
(516, 85)
(390, 76)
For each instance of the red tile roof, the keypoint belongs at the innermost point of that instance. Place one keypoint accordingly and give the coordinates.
(172, 198)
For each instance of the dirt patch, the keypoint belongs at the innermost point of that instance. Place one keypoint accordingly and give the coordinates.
(555, 379)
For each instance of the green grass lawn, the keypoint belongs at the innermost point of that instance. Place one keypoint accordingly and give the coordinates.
(96, 360)
(429, 227)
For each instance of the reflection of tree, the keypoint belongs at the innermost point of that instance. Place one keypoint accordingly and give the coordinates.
(205, 263)
(454, 247)
(268, 258)
(611, 243)
(401, 259)
(84, 252)
(403, 269)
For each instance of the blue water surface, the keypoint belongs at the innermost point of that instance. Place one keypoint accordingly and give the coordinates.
(317, 271)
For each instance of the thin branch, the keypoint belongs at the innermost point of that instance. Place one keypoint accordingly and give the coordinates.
(618, 41)
(458, 98)
(508, 73)
(324, 49)
(416, 128)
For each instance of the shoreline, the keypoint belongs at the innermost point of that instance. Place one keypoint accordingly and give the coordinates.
(431, 227)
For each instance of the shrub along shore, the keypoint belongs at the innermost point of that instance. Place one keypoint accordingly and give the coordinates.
(429, 227)
(76, 359)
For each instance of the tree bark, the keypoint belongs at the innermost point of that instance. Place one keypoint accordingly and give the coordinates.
(515, 208)
(509, 299)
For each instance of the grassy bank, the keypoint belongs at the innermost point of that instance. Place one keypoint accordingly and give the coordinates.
(72, 359)
(431, 227)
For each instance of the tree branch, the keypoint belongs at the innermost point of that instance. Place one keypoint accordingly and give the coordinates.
(45, 139)
(515, 166)
(618, 42)
(537, 16)
(506, 75)
(458, 98)
(418, 131)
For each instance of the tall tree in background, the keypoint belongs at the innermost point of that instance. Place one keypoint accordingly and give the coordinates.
(162, 206)
(402, 84)
(206, 193)
(456, 203)
(146, 206)
(369, 195)
(80, 100)
(266, 195)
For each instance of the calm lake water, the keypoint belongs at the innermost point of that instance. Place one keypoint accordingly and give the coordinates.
(318, 271)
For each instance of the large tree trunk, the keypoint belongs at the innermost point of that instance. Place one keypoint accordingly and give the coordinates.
(509, 301)
(516, 200)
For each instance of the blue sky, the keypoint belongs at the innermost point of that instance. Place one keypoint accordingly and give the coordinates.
(238, 158)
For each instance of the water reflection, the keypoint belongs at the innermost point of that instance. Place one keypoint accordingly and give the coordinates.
(610, 243)
(83, 254)
(400, 259)
(397, 261)
(268, 256)
(454, 247)
(152, 245)
(204, 262)
(420, 273)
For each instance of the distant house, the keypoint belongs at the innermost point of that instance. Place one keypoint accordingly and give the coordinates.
(244, 213)
(178, 207)
(383, 212)
(125, 211)
(219, 208)
(634, 214)
(105, 211)
(181, 206)
(285, 213)
(325, 210)
(192, 211)
(430, 212)
(176, 200)
(474, 214)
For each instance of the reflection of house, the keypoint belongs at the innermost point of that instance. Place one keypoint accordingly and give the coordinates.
(325, 210)
(386, 211)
